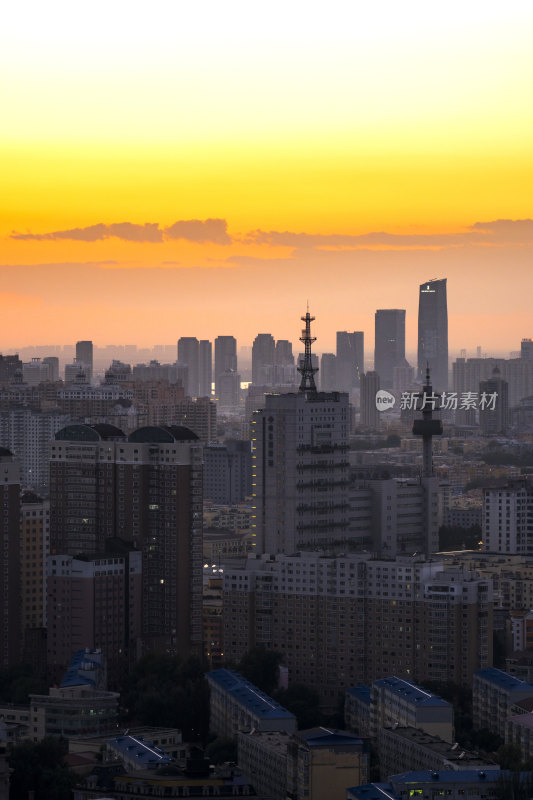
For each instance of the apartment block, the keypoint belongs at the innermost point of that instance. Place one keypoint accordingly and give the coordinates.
(494, 692)
(238, 705)
(395, 701)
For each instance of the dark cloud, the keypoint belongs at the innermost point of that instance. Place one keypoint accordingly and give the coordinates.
(506, 230)
(197, 230)
(193, 230)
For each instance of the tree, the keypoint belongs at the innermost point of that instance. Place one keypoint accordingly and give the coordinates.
(163, 690)
(220, 750)
(39, 767)
(261, 667)
(303, 702)
(510, 756)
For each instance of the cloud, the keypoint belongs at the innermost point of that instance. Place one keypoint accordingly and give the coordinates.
(197, 230)
(192, 230)
(506, 230)
(496, 232)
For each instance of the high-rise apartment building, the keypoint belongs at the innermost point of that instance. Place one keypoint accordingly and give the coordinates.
(300, 470)
(84, 354)
(389, 348)
(145, 489)
(507, 518)
(35, 546)
(433, 333)
(189, 354)
(225, 357)
(228, 472)
(343, 621)
(9, 365)
(350, 359)
(205, 368)
(199, 415)
(518, 372)
(369, 414)
(263, 356)
(494, 404)
(10, 611)
(526, 349)
(284, 356)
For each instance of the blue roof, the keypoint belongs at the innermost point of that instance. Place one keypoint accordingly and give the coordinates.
(448, 776)
(84, 669)
(362, 693)
(144, 753)
(249, 695)
(411, 692)
(373, 791)
(503, 679)
(320, 737)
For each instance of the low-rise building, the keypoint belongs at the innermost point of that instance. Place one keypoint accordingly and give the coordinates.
(238, 705)
(400, 749)
(395, 701)
(494, 692)
(263, 759)
(433, 785)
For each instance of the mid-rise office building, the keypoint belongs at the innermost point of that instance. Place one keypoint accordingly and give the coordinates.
(84, 354)
(433, 333)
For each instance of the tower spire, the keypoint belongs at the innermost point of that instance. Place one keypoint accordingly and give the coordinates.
(306, 369)
(427, 427)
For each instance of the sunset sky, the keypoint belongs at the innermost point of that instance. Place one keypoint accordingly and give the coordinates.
(175, 169)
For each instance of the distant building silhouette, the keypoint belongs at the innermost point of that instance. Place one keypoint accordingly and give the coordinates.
(225, 357)
(350, 359)
(10, 587)
(433, 333)
(389, 349)
(369, 414)
(263, 356)
(205, 368)
(188, 353)
(494, 404)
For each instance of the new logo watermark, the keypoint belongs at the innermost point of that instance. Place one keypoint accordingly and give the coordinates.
(384, 400)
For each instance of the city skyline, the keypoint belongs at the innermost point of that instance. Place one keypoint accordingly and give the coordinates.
(166, 173)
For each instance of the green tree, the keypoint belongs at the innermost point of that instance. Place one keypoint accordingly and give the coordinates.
(261, 667)
(303, 702)
(163, 690)
(39, 767)
(220, 750)
(509, 756)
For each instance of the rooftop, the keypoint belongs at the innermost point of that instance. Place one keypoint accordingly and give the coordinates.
(138, 749)
(503, 679)
(248, 695)
(452, 753)
(324, 737)
(362, 693)
(410, 691)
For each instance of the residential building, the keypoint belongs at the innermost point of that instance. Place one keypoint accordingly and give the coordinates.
(400, 749)
(189, 354)
(199, 416)
(263, 357)
(507, 517)
(396, 701)
(228, 472)
(494, 692)
(350, 359)
(10, 562)
(205, 368)
(369, 413)
(225, 358)
(300, 470)
(237, 705)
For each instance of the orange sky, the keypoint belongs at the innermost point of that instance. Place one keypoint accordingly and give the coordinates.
(208, 171)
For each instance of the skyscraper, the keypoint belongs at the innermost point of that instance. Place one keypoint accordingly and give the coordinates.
(188, 353)
(433, 333)
(494, 404)
(263, 355)
(205, 368)
(350, 359)
(389, 349)
(225, 357)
